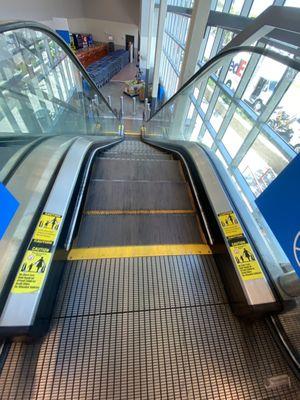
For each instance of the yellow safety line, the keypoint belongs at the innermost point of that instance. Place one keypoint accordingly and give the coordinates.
(136, 212)
(110, 133)
(92, 253)
(132, 133)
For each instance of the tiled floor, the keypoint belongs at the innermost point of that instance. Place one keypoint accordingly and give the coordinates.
(115, 89)
(127, 73)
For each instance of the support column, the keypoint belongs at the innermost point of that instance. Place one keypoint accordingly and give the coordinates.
(195, 36)
(143, 34)
(158, 51)
(151, 4)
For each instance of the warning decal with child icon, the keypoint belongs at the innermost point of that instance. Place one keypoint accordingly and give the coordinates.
(47, 227)
(33, 267)
(230, 224)
(242, 252)
(37, 258)
(245, 259)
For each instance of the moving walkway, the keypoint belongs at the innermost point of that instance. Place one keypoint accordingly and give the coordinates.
(132, 268)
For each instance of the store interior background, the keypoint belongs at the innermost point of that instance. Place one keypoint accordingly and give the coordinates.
(101, 18)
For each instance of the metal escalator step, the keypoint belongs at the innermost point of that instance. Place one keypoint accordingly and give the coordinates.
(291, 324)
(134, 146)
(135, 149)
(160, 170)
(127, 230)
(145, 283)
(138, 195)
(130, 156)
(199, 352)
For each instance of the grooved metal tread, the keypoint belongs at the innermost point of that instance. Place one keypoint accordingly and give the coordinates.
(290, 322)
(173, 351)
(135, 149)
(146, 283)
(131, 156)
(160, 170)
(138, 195)
(135, 230)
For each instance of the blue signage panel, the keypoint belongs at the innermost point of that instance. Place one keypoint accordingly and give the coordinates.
(280, 205)
(8, 207)
(64, 34)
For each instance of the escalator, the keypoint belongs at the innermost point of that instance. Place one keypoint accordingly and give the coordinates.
(153, 322)
(136, 266)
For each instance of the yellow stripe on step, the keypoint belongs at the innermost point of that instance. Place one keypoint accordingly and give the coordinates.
(136, 212)
(93, 253)
(129, 133)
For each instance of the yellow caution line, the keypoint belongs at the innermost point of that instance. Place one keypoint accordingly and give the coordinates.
(109, 133)
(136, 212)
(93, 253)
(132, 133)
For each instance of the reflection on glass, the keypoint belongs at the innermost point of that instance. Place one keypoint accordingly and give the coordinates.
(238, 129)
(207, 139)
(261, 164)
(196, 129)
(196, 93)
(222, 159)
(292, 3)
(190, 113)
(207, 94)
(236, 70)
(259, 6)
(261, 86)
(285, 120)
(210, 42)
(241, 141)
(43, 92)
(220, 5)
(228, 36)
(236, 7)
(220, 111)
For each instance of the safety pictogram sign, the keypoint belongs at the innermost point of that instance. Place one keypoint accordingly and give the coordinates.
(230, 224)
(33, 268)
(47, 227)
(241, 251)
(245, 260)
(36, 260)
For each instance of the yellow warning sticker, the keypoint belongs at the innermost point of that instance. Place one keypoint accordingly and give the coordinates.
(37, 258)
(230, 224)
(47, 227)
(33, 268)
(245, 260)
(242, 252)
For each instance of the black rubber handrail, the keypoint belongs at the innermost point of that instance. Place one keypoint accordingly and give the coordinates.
(276, 19)
(16, 25)
(289, 62)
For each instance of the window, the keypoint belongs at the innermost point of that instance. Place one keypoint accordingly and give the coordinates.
(259, 6)
(174, 42)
